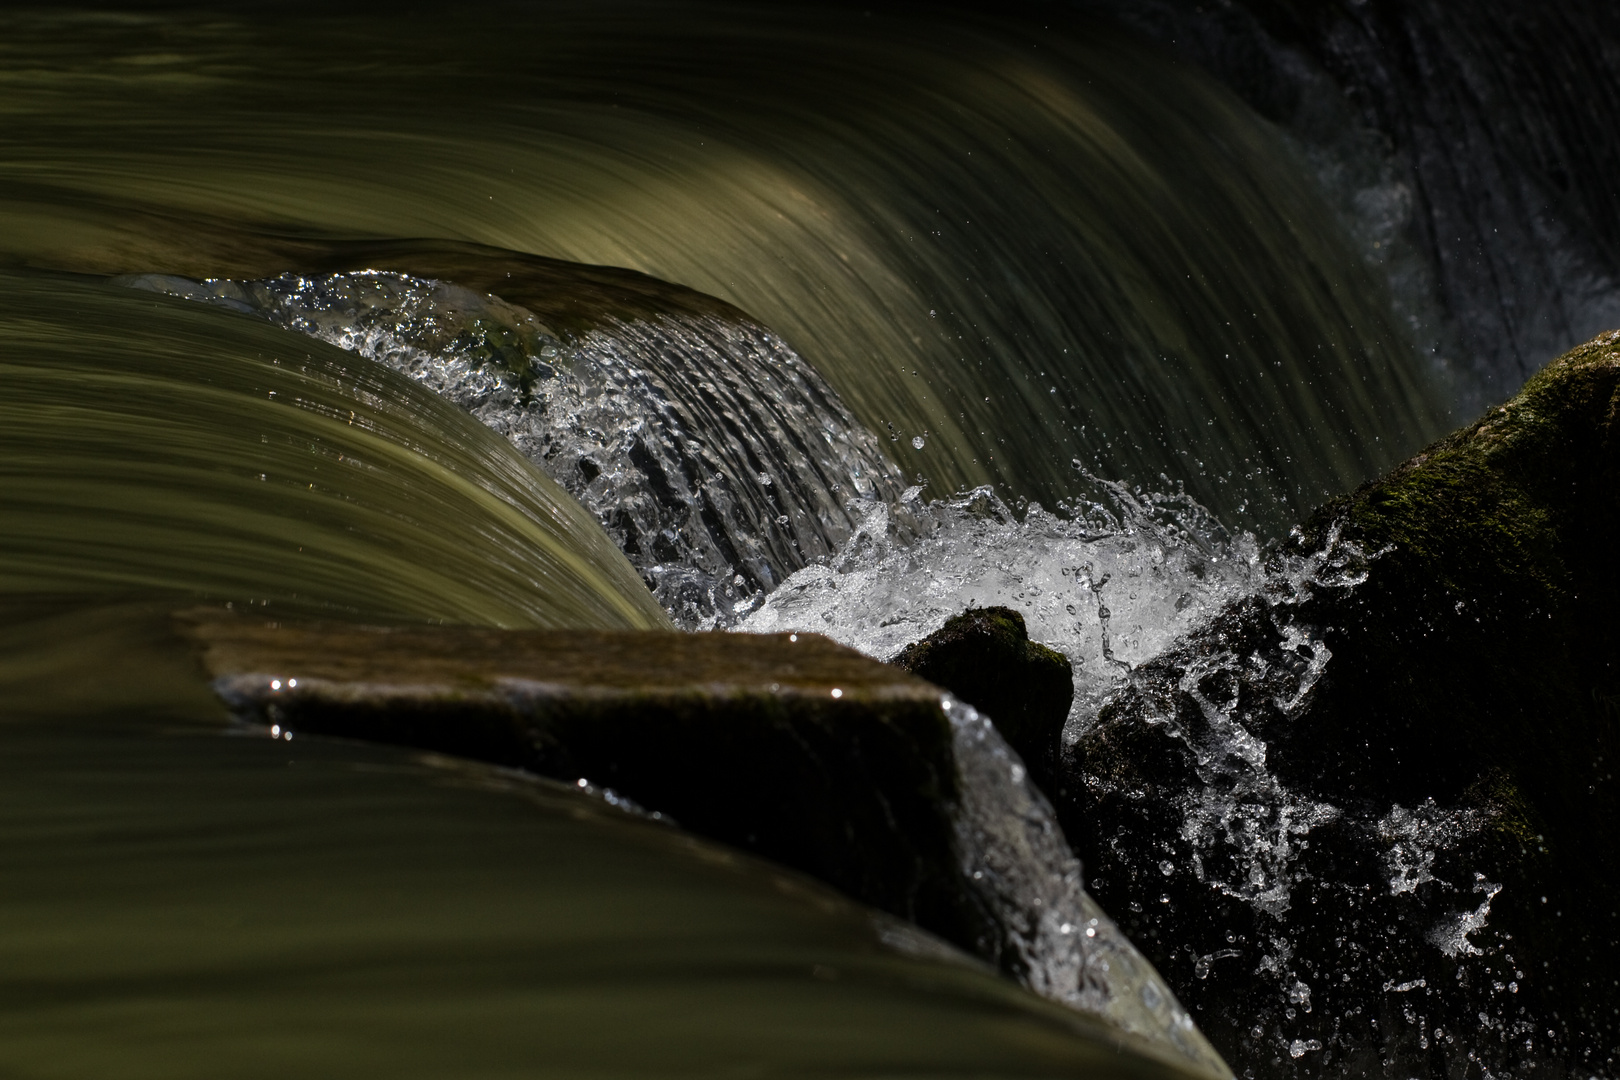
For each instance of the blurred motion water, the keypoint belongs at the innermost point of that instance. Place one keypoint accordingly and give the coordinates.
(794, 317)
(179, 904)
(157, 450)
(985, 236)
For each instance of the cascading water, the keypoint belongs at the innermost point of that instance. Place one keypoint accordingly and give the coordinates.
(716, 458)
(1028, 254)
(1113, 580)
(159, 451)
(1308, 934)
(983, 234)
(597, 404)
(1110, 581)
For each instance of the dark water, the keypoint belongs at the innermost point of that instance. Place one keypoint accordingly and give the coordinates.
(866, 259)
(179, 904)
(986, 236)
(1469, 148)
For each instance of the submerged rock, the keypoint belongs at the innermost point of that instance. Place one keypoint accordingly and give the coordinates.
(984, 656)
(1369, 812)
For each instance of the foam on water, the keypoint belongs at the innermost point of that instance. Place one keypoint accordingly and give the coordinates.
(1109, 582)
(1118, 584)
(719, 462)
(747, 496)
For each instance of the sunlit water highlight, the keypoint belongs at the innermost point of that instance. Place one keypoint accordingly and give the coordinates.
(716, 458)
(1002, 253)
(986, 236)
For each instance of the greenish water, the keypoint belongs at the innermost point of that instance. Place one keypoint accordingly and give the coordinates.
(174, 904)
(1004, 248)
(1020, 246)
(151, 448)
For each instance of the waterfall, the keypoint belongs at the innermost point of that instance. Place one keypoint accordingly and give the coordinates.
(162, 451)
(983, 234)
(717, 459)
(702, 316)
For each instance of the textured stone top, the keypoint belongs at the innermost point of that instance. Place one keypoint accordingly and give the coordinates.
(789, 745)
(462, 659)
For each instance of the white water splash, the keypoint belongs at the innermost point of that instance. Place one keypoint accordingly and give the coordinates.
(1451, 935)
(1108, 583)
(1015, 858)
(717, 459)
(1416, 836)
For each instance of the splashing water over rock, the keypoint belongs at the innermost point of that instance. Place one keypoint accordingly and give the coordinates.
(1055, 936)
(653, 427)
(1314, 883)
(716, 458)
(1107, 582)
(1381, 777)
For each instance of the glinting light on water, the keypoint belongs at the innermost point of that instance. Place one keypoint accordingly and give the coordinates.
(794, 320)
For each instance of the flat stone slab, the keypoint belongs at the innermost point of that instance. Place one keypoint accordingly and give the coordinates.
(790, 745)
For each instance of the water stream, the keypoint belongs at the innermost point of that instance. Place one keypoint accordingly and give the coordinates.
(321, 314)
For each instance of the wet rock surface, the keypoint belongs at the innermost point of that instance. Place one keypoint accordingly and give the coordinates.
(1365, 819)
(984, 657)
(787, 745)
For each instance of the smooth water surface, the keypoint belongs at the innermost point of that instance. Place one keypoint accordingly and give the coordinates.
(181, 903)
(151, 448)
(1005, 245)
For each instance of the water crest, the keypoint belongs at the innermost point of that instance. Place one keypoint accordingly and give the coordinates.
(717, 459)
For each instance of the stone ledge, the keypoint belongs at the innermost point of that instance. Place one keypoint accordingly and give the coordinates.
(788, 745)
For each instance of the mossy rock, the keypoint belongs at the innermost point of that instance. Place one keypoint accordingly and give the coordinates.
(985, 658)
(1449, 672)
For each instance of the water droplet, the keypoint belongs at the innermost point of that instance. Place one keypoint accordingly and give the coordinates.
(918, 442)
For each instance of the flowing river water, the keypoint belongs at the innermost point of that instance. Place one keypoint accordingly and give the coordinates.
(325, 314)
